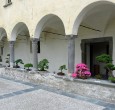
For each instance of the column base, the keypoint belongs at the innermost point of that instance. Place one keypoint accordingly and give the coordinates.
(34, 69)
(11, 65)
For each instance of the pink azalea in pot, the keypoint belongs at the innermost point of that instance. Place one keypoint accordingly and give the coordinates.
(82, 71)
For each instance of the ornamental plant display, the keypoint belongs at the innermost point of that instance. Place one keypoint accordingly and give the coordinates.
(82, 71)
(28, 65)
(61, 68)
(8, 60)
(17, 63)
(107, 60)
(43, 65)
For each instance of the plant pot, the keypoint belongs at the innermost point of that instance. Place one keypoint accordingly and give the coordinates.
(82, 77)
(16, 66)
(61, 74)
(28, 69)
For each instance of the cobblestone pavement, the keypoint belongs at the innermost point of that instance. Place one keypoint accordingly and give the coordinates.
(18, 95)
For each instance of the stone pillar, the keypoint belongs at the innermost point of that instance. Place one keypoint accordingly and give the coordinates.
(12, 53)
(71, 53)
(35, 54)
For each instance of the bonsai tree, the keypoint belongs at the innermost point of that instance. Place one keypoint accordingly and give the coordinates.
(8, 60)
(61, 68)
(43, 65)
(107, 60)
(17, 62)
(28, 65)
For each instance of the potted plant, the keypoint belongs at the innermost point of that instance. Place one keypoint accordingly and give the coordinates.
(107, 60)
(82, 71)
(8, 60)
(17, 63)
(28, 65)
(43, 65)
(61, 68)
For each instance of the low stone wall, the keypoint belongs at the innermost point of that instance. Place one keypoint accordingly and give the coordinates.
(103, 90)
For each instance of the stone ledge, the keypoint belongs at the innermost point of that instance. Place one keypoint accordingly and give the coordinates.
(105, 83)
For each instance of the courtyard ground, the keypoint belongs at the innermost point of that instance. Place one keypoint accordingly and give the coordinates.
(18, 95)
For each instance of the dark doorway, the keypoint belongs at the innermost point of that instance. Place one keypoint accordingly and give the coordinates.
(92, 48)
(95, 50)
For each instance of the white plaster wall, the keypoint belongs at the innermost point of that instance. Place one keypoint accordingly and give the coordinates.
(110, 31)
(22, 50)
(55, 49)
(31, 11)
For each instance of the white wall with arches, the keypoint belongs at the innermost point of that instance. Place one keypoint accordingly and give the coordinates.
(34, 19)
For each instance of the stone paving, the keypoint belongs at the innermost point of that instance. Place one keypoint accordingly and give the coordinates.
(18, 95)
(7, 86)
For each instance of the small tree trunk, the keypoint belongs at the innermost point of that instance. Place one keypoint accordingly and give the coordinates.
(110, 72)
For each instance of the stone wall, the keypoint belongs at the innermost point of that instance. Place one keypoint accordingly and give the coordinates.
(103, 90)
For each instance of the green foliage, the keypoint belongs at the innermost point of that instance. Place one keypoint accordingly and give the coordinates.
(19, 61)
(43, 65)
(112, 79)
(98, 76)
(104, 58)
(8, 59)
(110, 66)
(63, 67)
(28, 65)
(107, 59)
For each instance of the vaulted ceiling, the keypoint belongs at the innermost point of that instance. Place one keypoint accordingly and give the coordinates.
(99, 17)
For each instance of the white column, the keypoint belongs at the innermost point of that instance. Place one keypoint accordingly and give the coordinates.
(71, 53)
(35, 54)
(12, 53)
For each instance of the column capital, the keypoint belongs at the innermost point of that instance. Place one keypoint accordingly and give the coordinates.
(71, 36)
(35, 40)
(11, 42)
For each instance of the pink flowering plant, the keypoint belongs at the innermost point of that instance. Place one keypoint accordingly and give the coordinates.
(82, 71)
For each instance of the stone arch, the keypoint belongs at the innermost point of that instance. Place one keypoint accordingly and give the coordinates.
(2, 33)
(42, 23)
(18, 28)
(84, 12)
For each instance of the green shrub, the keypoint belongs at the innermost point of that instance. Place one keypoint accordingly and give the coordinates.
(8, 59)
(63, 67)
(43, 65)
(18, 61)
(107, 59)
(98, 76)
(104, 58)
(28, 65)
(112, 79)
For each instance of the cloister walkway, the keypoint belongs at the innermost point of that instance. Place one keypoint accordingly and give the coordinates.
(18, 95)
